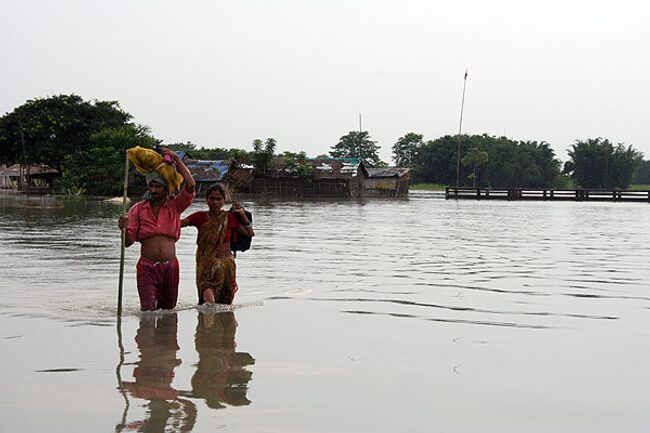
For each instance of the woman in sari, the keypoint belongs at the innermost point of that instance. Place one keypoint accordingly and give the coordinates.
(215, 265)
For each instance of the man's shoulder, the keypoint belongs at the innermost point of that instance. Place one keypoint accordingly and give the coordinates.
(184, 194)
(142, 203)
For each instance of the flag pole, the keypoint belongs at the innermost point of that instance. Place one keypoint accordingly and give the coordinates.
(126, 185)
(460, 129)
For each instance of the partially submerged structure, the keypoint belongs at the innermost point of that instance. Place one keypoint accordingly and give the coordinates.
(386, 182)
(310, 178)
(332, 178)
(28, 178)
(205, 173)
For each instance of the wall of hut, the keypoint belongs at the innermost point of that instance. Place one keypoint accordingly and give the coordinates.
(31, 178)
(295, 187)
(386, 187)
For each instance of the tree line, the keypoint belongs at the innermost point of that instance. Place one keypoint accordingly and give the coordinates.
(500, 162)
(85, 141)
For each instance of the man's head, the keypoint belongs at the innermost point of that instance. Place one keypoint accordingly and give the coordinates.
(157, 186)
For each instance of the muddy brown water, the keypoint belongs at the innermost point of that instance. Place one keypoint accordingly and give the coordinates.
(356, 316)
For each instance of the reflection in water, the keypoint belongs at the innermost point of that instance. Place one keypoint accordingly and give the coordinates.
(154, 372)
(220, 378)
(220, 375)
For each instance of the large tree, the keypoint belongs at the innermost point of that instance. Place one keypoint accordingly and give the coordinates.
(99, 169)
(45, 130)
(263, 152)
(475, 158)
(406, 149)
(356, 144)
(511, 164)
(642, 176)
(297, 163)
(597, 163)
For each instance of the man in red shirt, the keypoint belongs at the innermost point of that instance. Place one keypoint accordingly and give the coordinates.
(155, 223)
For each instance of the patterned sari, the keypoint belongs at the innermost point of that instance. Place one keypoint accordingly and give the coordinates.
(214, 272)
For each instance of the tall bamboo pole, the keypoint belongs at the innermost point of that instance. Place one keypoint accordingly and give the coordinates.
(460, 130)
(118, 374)
(126, 185)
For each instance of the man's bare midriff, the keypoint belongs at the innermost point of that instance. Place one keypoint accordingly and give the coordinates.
(158, 248)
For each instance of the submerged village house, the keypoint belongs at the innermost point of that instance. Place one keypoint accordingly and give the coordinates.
(324, 178)
(340, 177)
(206, 172)
(28, 178)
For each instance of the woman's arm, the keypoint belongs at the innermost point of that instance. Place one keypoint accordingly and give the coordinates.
(247, 226)
(247, 231)
(185, 222)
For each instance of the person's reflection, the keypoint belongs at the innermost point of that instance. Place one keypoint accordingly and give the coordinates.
(154, 373)
(220, 376)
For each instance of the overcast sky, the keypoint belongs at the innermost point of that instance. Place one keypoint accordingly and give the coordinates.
(224, 73)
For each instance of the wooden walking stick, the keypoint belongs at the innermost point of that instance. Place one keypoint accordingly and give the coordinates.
(126, 185)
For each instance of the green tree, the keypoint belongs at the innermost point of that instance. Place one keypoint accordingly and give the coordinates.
(642, 176)
(99, 169)
(596, 163)
(436, 160)
(263, 153)
(297, 163)
(406, 149)
(46, 130)
(510, 164)
(356, 144)
(474, 158)
(211, 153)
(182, 147)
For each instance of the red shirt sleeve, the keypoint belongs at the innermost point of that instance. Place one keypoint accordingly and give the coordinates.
(134, 222)
(197, 219)
(183, 200)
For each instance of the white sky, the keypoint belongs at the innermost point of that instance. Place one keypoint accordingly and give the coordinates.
(224, 73)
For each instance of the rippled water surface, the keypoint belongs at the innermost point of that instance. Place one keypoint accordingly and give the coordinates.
(378, 316)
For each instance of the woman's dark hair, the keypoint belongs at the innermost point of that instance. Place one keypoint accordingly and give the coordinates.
(220, 188)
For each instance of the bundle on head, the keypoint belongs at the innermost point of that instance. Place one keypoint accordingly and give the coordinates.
(147, 160)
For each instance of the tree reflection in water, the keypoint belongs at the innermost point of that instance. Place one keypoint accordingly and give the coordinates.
(220, 377)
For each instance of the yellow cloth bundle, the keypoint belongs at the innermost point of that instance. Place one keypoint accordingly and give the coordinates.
(147, 160)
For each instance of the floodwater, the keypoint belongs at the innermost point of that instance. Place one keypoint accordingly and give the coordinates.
(416, 315)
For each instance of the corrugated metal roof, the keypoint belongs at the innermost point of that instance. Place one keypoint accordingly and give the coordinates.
(387, 172)
(205, 170)
(14, 170)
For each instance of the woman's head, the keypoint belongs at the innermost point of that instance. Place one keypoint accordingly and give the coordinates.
(216, 196)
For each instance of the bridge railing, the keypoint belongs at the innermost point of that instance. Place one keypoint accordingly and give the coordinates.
(547, 194)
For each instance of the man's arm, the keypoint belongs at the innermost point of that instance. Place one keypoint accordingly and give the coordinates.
(182, 169)
(129, 224)
(123, 223)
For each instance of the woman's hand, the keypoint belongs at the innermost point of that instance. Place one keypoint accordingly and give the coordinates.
(247, 226)
(239, 209)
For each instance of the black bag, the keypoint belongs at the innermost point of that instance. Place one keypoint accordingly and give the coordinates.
(239, 241)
